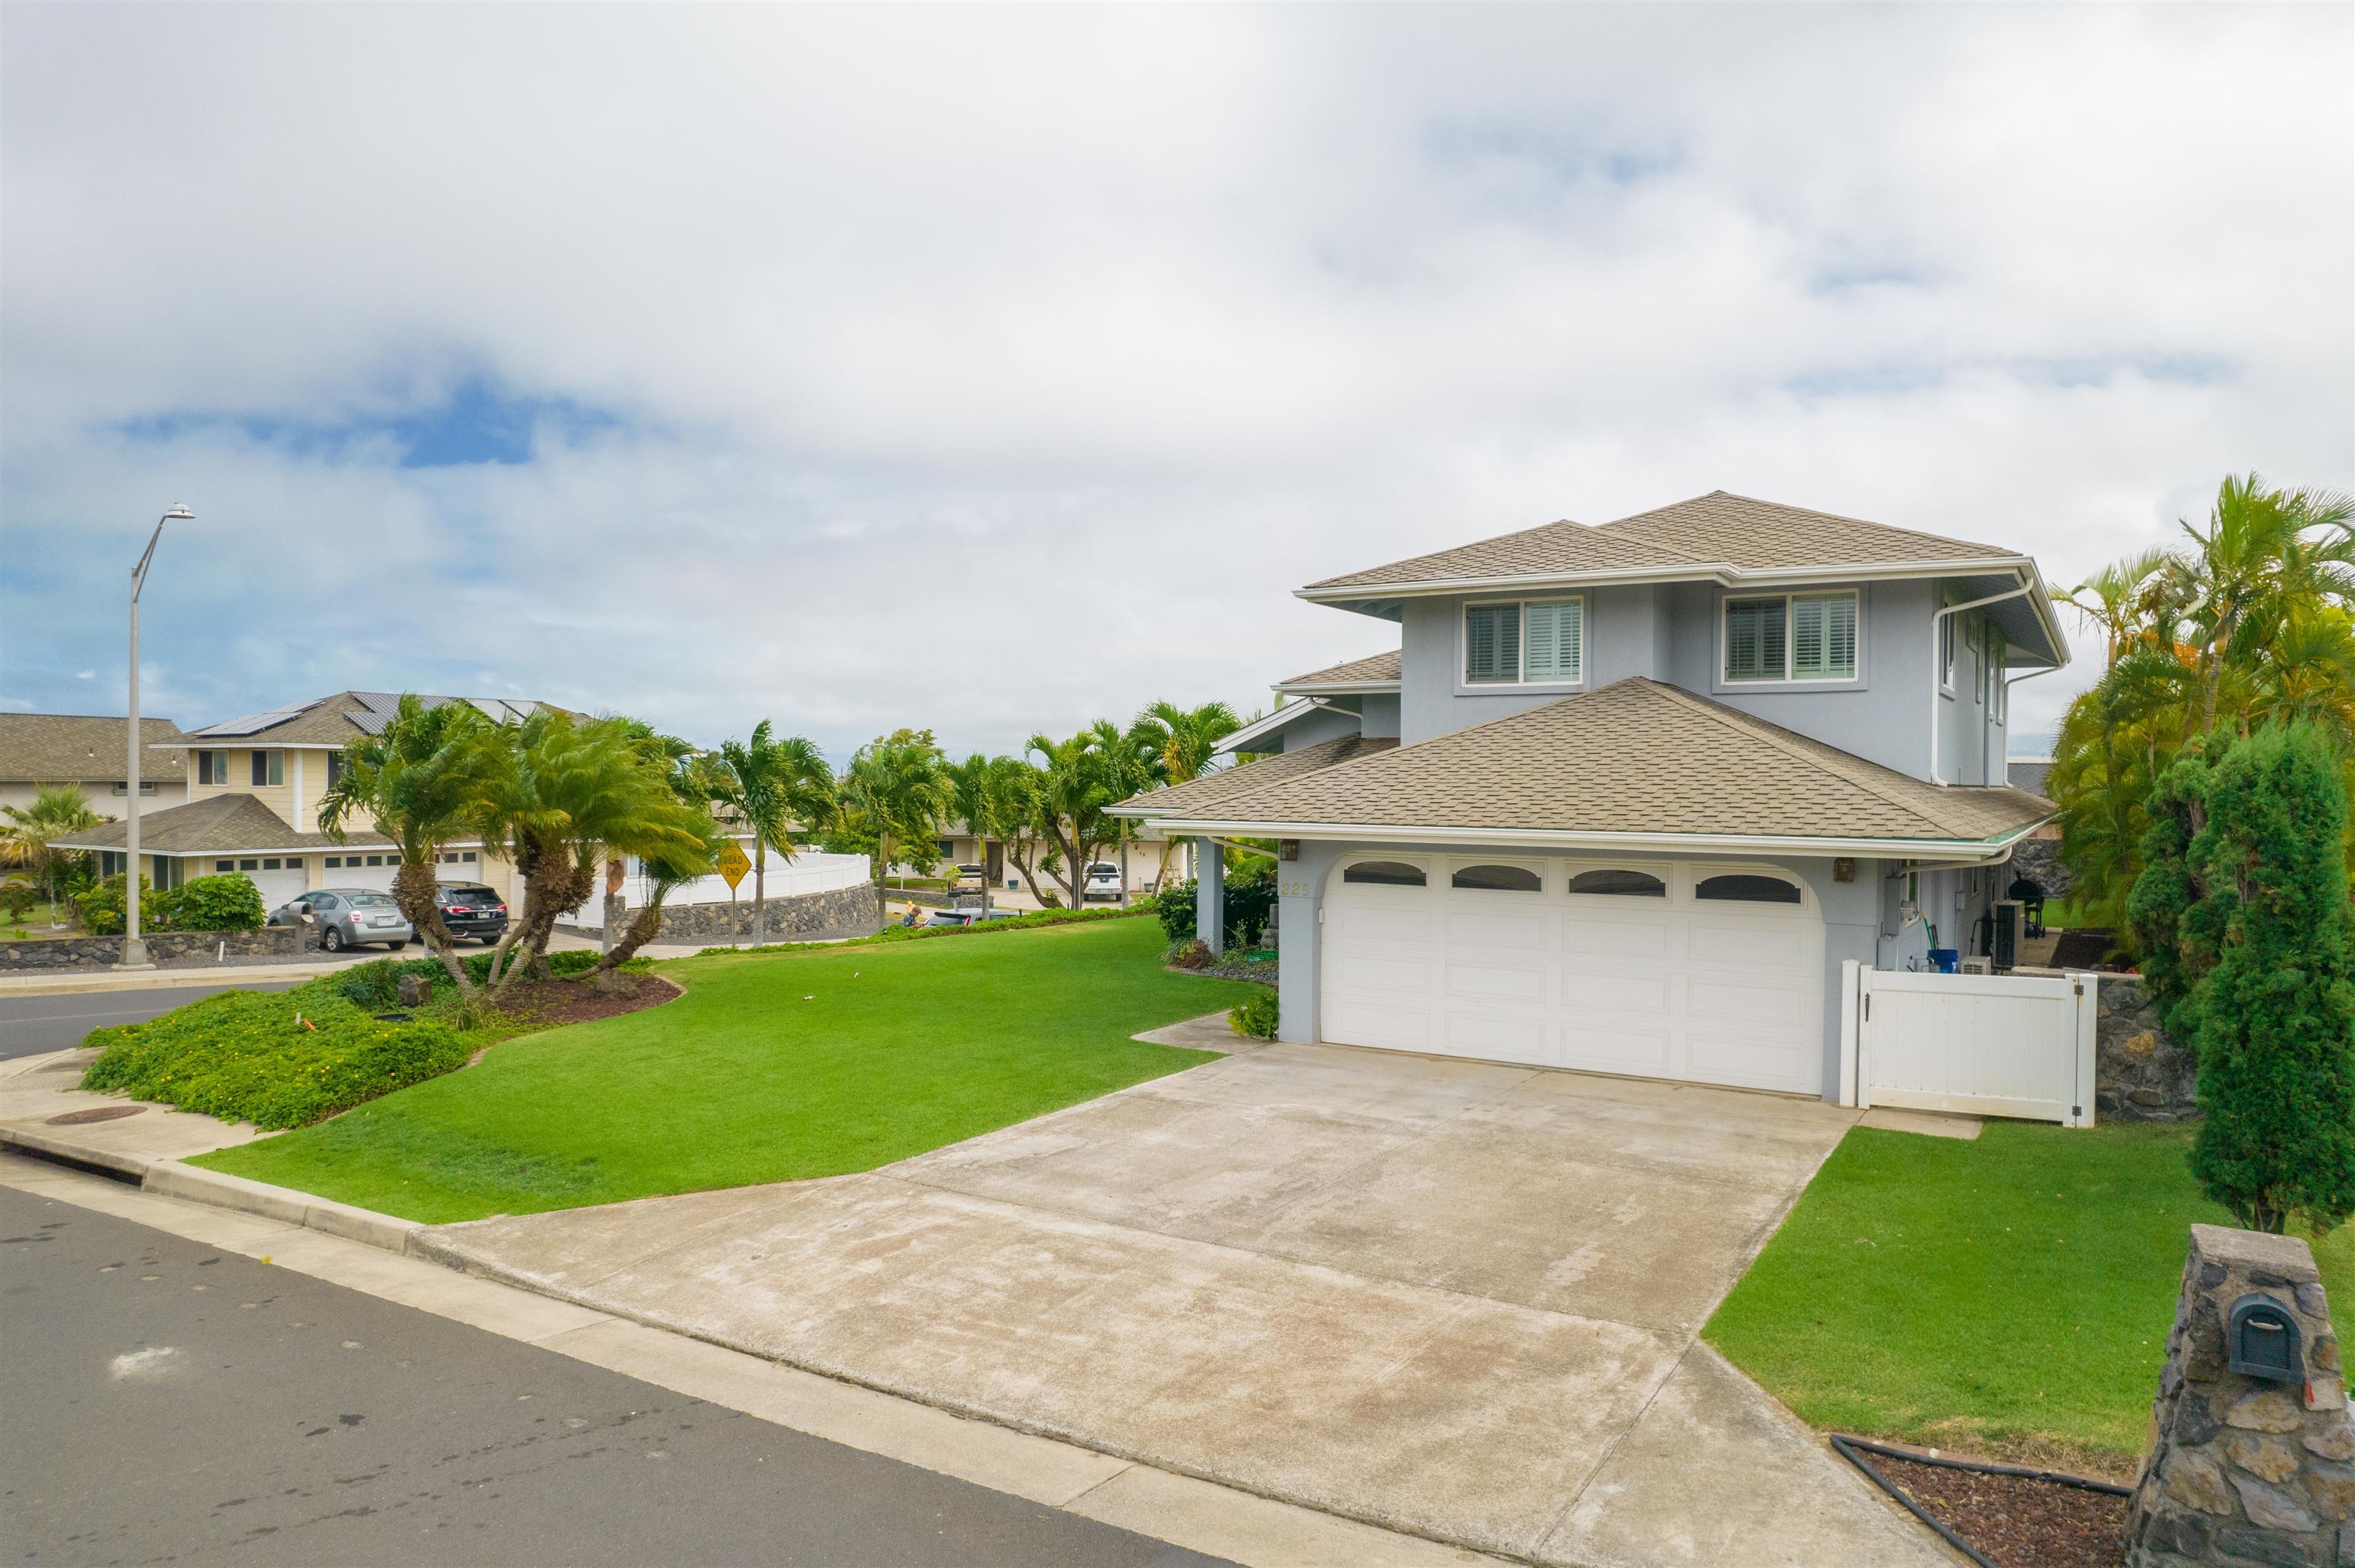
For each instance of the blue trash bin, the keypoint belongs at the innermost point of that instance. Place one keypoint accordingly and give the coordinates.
(1947, 960)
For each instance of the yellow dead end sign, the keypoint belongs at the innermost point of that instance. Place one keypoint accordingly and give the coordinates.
(732, 864)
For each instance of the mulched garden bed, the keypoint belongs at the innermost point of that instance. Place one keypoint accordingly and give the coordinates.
(553, 1003)
(2015, 1520)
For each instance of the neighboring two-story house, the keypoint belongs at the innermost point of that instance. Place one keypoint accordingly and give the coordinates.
(1625, 797)
(253, 790)
(43, 751)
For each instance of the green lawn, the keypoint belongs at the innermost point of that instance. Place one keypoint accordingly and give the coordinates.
(773, 1066)
(2011, 1295)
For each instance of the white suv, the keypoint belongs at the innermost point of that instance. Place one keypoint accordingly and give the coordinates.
(1104, 882)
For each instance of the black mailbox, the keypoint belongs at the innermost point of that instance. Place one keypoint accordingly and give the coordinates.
(2261, 1341)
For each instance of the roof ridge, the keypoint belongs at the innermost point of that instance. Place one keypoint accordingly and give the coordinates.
(1783, 740)
(2001, 551)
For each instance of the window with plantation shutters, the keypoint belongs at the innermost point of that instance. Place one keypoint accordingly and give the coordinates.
(1754, 644)
(1790, 637)
(1552, 651)
(1823, 636)
(1492, 643)
(1541, 643)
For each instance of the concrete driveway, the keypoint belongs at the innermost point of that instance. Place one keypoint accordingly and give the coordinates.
(1448, 1297)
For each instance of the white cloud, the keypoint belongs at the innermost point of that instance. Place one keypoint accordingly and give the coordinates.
(993, 370)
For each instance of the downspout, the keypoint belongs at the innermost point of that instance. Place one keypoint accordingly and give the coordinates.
(1937, 672)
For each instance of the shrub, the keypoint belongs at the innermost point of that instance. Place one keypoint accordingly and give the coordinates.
(17, 899)
(1192, 955)
(102, 908)
(242, 1055)
(1251, 905)
(229, 902)
(2271, 1018)
(1256, 1018)
(1175, 906)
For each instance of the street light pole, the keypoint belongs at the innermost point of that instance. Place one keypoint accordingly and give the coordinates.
(135, 951)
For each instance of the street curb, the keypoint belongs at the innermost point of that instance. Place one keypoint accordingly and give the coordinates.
(170, 1177)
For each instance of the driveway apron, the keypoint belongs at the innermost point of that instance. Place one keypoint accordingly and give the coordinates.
(1444, 1297)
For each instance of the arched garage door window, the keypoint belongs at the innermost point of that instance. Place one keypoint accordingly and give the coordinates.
(1499, 878)
(1384, 873)
(1618, 883)
(1742, 887)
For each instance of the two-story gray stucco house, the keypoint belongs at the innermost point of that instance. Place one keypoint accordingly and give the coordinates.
(1625, 797)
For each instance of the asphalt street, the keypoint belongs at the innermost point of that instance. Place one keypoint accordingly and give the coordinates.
(32, 1025)
(160, 1399)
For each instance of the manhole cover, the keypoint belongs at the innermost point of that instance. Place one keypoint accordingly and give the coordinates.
(96, 1112)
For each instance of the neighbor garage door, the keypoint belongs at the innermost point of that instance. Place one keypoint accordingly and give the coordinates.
(1703, 971)
(277, 878)
(372, 871)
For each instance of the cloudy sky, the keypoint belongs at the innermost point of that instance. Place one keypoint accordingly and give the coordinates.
(993, 370)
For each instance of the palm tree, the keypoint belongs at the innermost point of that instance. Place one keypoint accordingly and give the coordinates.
(992, 794)
(1127, 760)
(1188, 741)
(418, 782)
(663, 870)
(900, 783)
(1068, 809)
(564, 794)
(25, 840)
(775, 785)
(2249, 622)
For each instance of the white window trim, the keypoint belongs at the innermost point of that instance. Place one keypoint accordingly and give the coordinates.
(1465, 686)
(1722, 683)
(1950, 654)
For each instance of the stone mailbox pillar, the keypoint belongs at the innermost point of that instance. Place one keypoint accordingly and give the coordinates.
(2251, 1455)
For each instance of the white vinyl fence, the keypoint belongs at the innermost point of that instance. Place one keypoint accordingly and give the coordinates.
(809, 871)
(2012, 1045)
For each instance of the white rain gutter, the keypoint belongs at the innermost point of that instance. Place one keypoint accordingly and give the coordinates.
(1970, 851)
(1276, 721)
(1937, 669)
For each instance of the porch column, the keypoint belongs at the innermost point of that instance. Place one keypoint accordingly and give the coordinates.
(1210, 896)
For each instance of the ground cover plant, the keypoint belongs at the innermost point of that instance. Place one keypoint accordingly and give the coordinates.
(2009, 1296)
(806, 1062)
(291, 1058)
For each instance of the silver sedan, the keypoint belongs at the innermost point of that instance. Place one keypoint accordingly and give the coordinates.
(349, 917)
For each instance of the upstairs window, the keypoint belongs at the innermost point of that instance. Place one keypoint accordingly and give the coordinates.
(1533, 643)
(1790, 637)
(269, 767)
(212, 767)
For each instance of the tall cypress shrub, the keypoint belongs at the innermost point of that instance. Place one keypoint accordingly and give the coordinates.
(2272, 1019)
(2160, 910)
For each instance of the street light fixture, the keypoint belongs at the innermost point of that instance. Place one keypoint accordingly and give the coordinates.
(135, 951)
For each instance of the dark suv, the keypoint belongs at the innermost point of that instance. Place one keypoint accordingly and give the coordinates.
(469, 910)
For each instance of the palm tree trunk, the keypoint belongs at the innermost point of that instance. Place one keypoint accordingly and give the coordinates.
(760, 890)
(643, 926)
(412, 890)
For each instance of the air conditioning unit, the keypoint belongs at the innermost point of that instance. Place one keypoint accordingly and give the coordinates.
(1978, 966)
(2009, 921)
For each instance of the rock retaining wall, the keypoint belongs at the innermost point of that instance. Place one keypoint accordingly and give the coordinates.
(166, 949)
(838, 912)
(2039, 860)
(2245, 1469)
(2140, 1073)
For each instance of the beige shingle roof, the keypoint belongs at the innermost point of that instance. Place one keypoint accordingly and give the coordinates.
(1368, 671)
(1211, 791)
(1716, 529)
(73, 748)
(1639, 757)
(219, 823)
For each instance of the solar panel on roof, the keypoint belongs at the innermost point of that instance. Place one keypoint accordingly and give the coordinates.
(251, 723)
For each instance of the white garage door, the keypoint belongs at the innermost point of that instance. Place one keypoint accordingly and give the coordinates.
(276, 878)
(375, 870)
(1695, 970)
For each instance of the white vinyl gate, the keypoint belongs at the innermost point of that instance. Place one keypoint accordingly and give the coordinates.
(2012, 1046)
